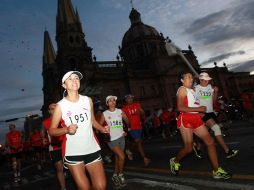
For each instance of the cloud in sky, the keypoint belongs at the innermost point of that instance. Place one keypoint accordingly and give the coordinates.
(243, 66)
(224, 25)
(224, 31)
(222, 57)
(217, 30)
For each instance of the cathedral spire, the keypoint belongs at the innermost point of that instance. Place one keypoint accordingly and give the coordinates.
(66, 12)
(49, 55)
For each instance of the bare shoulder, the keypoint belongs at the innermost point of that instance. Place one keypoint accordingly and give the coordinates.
(57, 108)
(90, 100)
(181, 91)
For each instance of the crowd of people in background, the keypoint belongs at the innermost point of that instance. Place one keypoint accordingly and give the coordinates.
(61, 139)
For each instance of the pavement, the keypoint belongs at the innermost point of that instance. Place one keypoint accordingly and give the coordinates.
(195, 173)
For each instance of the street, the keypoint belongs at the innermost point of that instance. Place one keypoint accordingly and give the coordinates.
(195, 173)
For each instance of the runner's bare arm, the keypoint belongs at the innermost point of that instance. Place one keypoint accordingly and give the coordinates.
(102, 119)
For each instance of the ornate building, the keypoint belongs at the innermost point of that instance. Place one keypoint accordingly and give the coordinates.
(148, 65)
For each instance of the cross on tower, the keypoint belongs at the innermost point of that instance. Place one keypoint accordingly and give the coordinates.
(132, 6)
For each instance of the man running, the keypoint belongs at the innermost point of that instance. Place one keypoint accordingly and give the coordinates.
(206, 95)
(36, 141)
(134, 113)
(14, 142)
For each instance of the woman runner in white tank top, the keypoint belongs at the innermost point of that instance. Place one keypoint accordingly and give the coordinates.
(81, 151)
(114, 118)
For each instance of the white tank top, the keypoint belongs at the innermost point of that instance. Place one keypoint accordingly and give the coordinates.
(83, 141)
(190, 99)
(115, 122)
(205, 96)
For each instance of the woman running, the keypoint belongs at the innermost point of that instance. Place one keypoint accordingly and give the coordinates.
(80, 149)
(114, 118)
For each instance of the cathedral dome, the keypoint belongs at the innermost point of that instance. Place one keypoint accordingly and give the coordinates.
(138, 29)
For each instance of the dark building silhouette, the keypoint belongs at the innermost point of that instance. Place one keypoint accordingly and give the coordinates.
(147, 65)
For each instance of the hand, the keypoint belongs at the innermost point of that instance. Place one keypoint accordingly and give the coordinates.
(71, 130)
(105, 129)
(216, 89)
(202, 109)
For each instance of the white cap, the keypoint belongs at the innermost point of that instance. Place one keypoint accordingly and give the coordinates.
(111, 96)
(204, 76)
(68, 74)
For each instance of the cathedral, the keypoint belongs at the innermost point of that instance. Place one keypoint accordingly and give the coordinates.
(147, 65)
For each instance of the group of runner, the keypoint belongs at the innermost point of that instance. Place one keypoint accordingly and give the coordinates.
(18, 146)
(196, 112)
(164, 123)
(72, 143)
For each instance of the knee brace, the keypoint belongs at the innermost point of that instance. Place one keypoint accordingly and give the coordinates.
(216, 129)
(14, 165)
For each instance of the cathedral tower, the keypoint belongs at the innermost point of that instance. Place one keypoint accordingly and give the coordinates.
(49, 74)
(73, 51)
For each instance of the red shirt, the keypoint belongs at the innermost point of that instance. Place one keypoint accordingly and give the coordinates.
(156, 121)
(247, 105)
(165, 116)
(132, 112)
(36, 139)
(55, 142)
(14, 141)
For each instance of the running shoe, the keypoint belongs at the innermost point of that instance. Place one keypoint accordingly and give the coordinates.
(175, 167)
(221, 174)
(107, 159)
(122, 180)
(231, 153)
(116, 181)
(197, 152)
(16, 180)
